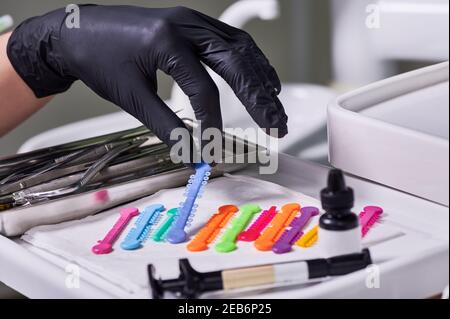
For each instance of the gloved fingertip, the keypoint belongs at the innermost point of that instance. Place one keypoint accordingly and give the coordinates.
(277, 132)
(277, 89)
(274, 120)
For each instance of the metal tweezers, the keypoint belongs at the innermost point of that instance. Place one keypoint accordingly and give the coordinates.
(78, 166)
(22, 164)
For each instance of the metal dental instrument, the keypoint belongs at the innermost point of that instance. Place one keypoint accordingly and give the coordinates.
(26, 160)
(17, 181)
(106, 159)
(43, 178)
(43, 156)
(55, 169)
(22, 197)
(23, 166)
(117, 173)
(80, 156)
(88, 154)
(153, 160)
(51, 175)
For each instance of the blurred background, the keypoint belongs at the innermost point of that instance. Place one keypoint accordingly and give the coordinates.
(316, 42)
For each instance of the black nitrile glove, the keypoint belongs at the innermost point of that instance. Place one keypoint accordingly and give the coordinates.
(118, 49)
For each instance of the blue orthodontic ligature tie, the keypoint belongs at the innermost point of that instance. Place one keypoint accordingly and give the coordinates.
(177, 234)
(141, 230)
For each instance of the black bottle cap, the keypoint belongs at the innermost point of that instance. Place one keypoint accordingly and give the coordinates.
(337, 196)
(339, 221)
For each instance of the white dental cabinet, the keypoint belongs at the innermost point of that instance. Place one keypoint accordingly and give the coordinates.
(399, 165)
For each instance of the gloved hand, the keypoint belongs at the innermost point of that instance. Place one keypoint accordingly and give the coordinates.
(118, 49)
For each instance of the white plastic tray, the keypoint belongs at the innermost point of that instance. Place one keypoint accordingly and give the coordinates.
(403, 261)
(395, 132)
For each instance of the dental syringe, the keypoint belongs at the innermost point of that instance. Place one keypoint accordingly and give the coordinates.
(192, 284)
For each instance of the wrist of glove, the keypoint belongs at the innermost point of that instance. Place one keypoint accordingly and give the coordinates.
(34, 51)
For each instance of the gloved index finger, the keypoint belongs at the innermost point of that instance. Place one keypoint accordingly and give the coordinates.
(268, 68)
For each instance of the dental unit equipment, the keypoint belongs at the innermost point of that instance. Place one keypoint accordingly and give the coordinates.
(405, 258)
(192, 284)
(105, 245)
(22, 197)
(35, 168)
(44, 156)
(141, 230)
(212, 228)
(26, 179)
(120, 156)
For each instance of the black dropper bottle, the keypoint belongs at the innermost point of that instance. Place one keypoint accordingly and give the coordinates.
(337, 201)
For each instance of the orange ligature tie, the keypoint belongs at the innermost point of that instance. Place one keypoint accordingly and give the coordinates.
(276, 228)
(212, 228)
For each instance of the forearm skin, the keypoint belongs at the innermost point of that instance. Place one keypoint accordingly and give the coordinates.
(17, 100)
